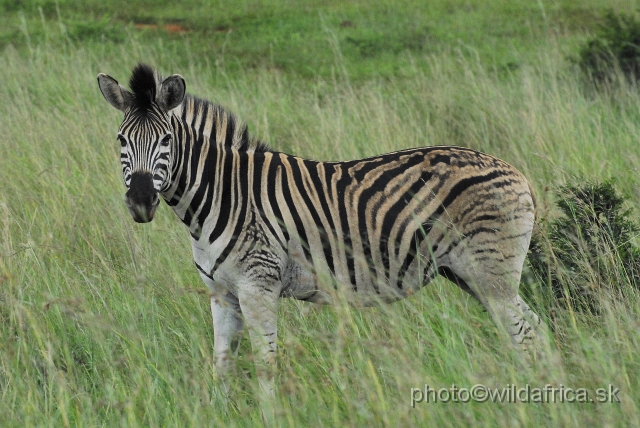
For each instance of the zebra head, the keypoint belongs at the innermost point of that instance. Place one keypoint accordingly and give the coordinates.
(145, 134)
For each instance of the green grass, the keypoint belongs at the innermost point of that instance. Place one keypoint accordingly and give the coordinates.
(106, 322)
(376, 39)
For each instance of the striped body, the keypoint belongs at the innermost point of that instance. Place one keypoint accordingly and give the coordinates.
(266, 224)
(375, 229)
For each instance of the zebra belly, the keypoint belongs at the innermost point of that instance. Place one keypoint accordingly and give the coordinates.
(312, 280)
(302, 284)
(303, 280)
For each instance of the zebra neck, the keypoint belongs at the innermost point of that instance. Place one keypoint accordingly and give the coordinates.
(209, 168)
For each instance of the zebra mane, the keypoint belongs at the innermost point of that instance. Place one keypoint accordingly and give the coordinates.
(143, 83)
(236, 134)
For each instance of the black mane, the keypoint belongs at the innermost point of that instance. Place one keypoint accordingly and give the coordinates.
(233, 125)
(143, 86)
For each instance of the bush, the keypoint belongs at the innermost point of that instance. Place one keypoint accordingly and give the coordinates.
(587, 256)
(616, 48)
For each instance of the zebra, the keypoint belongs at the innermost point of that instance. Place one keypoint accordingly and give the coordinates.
(265, 224)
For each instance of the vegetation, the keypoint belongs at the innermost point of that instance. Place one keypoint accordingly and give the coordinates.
(615, 49)
(387, 38)
(106, 322)
(587, 256)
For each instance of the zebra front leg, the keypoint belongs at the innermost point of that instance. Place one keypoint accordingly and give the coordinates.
(259, 306)
(227, 331)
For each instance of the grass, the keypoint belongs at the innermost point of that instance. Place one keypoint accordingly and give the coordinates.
(384, 38)
(105, 322)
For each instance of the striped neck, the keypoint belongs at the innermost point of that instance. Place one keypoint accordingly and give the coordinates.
(209, 146)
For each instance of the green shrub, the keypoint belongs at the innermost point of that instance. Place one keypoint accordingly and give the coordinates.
(586, 257)
(616, 48)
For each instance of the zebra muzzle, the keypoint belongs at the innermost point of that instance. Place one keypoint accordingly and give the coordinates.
(142, 198)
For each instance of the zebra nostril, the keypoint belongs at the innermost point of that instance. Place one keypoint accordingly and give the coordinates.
(156, 199)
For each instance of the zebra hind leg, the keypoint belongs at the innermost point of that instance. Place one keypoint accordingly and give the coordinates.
(521, 323)
(499, 295)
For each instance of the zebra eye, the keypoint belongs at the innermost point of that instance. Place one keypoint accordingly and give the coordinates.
(123, 142)
(166, 140)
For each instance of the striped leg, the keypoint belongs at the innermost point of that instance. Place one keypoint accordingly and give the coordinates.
(494, 280)
(508, 311)
(227, 331)
(531, 316)
(260, 310)
(520, 322)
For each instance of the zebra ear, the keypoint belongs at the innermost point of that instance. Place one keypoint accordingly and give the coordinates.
(115, 94)
(172, 92)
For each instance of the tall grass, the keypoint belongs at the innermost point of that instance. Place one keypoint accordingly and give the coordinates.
(105, 322)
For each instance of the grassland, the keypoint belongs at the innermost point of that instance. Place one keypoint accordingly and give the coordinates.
(104, 322)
